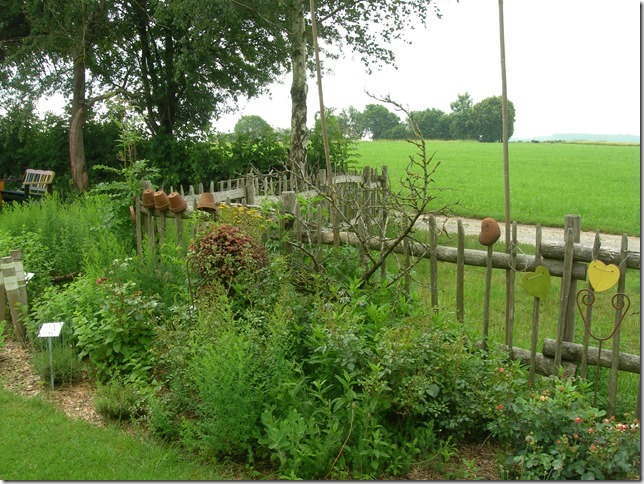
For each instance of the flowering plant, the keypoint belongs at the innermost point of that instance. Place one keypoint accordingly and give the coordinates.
(557, 434)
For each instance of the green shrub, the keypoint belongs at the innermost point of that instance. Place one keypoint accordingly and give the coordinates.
(117, 338)
(557, 434)
(67, 368)
(117, 400)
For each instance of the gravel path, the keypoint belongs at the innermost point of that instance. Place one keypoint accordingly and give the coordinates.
(526, 234)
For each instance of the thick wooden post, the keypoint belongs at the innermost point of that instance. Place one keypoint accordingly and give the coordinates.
(13, 297)
(3, 308)
(566, 278)
(16, 255)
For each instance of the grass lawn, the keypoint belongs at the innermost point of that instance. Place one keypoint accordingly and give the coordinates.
(39, 443)
(599, 182)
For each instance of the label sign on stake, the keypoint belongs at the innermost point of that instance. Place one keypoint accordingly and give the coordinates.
(49, 331)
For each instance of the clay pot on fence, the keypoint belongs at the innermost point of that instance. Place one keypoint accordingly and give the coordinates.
(207, 202)
(148, 198)
(490, 232)
(161, 202)
(177, 202)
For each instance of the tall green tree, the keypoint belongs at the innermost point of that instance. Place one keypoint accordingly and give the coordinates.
(433, 123)
(459, 126)
(378, 120)
(487, 120)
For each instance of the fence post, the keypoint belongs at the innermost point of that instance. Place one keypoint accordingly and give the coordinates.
(250, 189)
(572, 222)
(13, 297)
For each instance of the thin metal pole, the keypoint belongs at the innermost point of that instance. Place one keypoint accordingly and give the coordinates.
(51, 363)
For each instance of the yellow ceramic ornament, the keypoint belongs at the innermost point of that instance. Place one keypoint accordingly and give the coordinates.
(601, 276)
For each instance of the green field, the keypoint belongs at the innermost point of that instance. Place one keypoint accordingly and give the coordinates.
(599, 182)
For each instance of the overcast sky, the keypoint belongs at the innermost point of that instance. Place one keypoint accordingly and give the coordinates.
(573, 66)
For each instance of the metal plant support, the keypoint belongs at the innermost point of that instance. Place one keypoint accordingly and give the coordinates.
(586, 298)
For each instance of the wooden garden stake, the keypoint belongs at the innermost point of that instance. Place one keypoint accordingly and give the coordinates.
(488, 288)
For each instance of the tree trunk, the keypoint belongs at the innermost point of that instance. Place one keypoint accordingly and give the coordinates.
(299, 89)
(79, 115)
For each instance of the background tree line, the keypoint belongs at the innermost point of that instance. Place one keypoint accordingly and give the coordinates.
(482, 121)
(29, 141)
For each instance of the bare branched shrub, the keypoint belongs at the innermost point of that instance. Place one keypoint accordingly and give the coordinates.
(365, 212)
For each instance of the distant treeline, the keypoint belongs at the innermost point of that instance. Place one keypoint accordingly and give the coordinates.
(114, 140)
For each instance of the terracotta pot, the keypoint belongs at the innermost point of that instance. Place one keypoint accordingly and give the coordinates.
(207, 202)
(490, 231)
(161, 201)
(177, 202)
(148, 198)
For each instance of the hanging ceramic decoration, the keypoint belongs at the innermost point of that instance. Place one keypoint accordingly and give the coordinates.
(601, 276)
(537, 283)
(490, 231)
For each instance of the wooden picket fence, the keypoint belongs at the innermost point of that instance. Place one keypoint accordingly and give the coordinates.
(361, 195)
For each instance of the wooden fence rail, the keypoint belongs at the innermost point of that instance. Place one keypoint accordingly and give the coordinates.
(360, 199)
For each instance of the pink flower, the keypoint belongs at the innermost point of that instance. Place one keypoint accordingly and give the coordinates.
(592, 447)
(578, 420)
(590, 430)
(499, 407)
(501, 370)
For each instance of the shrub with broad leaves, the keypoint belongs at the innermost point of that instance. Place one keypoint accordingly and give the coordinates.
(222, 252)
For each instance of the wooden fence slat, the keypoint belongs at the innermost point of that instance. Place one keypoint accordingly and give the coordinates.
(621, 287)
(510, 277)
(589, 314)
(433, 262)
(534, 337)
(460, 272)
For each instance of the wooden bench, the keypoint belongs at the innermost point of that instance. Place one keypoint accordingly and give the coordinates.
(36, 184)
